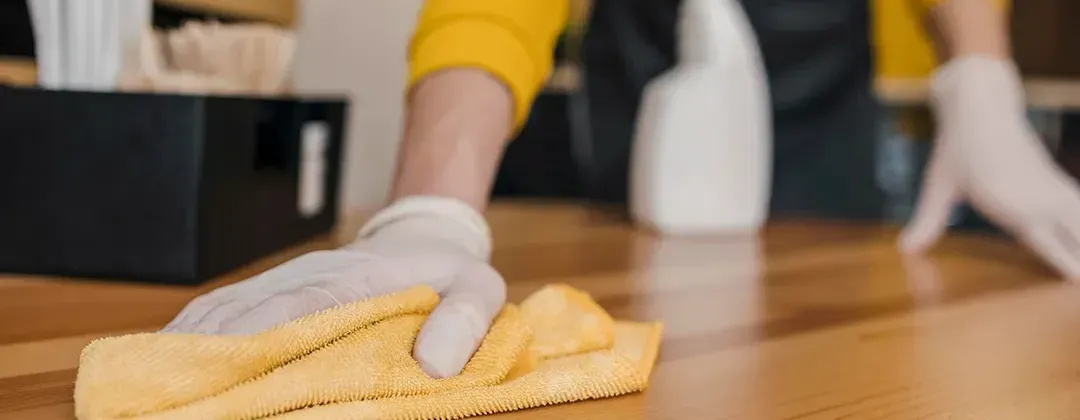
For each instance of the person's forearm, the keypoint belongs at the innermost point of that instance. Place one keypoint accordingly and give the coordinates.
(475, 67)
(971, 27)
(457, 124)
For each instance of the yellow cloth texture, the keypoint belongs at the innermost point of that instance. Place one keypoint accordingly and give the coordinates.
(514, 40)
(355, 362)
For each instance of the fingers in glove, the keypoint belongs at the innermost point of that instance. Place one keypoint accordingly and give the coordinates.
(457, 326)
(937, 201)
(1069, 218)
(211, 320)
(196, 310)
(924, 279)
(1049, 241)
(258, 288)
(284, 307)
(1070, 227)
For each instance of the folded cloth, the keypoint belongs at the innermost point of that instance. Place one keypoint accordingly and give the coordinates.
(355, 362)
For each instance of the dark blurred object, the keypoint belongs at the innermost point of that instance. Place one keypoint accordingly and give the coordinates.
(16, 32)
(277, 12)
(1068, 153)
(171, 17)
(539, 162)
(1046, 38)
(159, 188)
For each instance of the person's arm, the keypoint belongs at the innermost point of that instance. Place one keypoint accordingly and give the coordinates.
(475, 68)
(970, 28)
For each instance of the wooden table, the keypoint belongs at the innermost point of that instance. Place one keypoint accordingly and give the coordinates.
(817, 321)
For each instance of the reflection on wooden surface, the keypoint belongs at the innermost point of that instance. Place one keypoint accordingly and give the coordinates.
(812, 321)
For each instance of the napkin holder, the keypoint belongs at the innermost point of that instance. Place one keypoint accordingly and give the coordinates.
(163, 188)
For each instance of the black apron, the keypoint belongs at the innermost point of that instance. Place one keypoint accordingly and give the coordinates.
(818, 58)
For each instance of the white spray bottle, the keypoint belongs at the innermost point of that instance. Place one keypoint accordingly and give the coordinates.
(702, 155)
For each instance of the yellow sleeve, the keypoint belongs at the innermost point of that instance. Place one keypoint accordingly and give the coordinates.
(514, 40)
(903, 47)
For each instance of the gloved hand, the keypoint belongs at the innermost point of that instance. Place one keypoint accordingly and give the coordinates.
(987, 153)
(432, 241)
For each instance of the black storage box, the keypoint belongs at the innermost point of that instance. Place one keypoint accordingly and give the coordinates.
(160, 187)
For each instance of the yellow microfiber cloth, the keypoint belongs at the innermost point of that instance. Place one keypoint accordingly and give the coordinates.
(355, 362)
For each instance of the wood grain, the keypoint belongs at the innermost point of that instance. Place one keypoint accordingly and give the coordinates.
(813, 320)
(18, 71)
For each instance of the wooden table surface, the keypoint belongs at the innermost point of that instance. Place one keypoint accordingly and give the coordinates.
(817, 320)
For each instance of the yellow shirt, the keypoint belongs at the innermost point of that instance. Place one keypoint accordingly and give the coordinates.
(514, 40)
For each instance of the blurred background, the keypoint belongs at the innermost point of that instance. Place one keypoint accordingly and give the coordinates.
(244, 129)
(335, 54)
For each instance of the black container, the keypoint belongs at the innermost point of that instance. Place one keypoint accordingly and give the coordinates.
(156, 188)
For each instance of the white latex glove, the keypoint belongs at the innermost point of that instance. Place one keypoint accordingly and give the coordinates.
(987, 153)
(431, 241)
